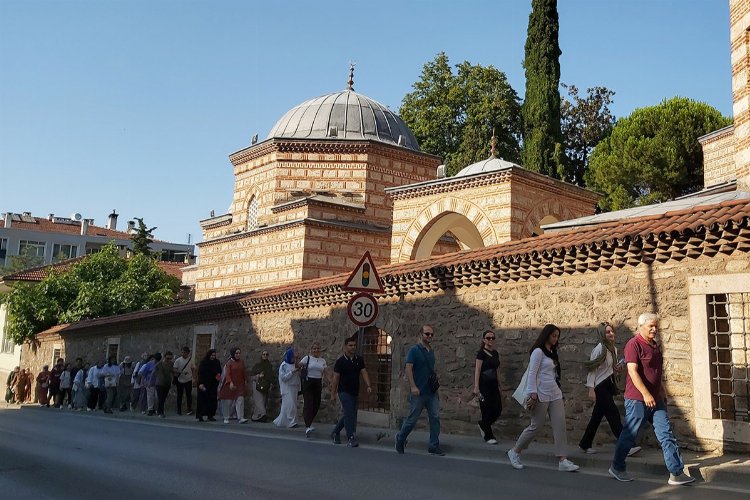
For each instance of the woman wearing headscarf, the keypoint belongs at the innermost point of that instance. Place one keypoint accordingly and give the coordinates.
(601, 380)
(261, 377)
(42, 386)
(545, 397)
(79, 388)
(10, 385)
(27, 392)
(232, 391)
(209, 374)
(22, 386)
(289, 383)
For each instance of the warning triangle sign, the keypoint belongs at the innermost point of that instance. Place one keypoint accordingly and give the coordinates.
(364, 278)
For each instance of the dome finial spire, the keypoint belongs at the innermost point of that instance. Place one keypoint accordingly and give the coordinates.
(350, 83)
(493, 144)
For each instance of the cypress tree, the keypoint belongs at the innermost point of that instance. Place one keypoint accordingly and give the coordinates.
(542, 151)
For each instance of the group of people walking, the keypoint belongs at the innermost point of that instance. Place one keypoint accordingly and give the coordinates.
(144, 386)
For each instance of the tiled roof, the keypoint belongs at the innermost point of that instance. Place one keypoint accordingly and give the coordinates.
(690, 233)
(40, 272)
(47, 226)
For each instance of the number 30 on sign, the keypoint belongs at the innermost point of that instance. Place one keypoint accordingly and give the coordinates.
(362, 309)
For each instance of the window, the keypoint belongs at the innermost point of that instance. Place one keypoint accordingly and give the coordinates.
(63, 252)
(376, 351)
(729, 355)
(113, 348)
(7, 346)
(56, 354)
(3, 250)
(31, 248)
(203, 342)
(252, 213)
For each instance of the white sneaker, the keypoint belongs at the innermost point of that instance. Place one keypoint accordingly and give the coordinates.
(515, 459)
(634, 450)
(243, 420)
(226, 420)
(589, 451)
(308, 432)
(491, 441)
(311, 429)
(566, 465)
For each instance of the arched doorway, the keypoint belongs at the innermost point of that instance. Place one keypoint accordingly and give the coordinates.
(456, 226)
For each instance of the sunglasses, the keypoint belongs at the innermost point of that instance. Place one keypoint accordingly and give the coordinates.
(489, 338)
(264, 354)
(429, 334)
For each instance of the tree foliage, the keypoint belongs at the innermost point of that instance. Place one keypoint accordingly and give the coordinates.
(102, 284)
(25, 260)
(142, 238)
(542, 138)
(653, 155)
(586, 121)
(454, 115)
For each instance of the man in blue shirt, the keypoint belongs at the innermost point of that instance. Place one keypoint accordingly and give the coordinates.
(420, 364)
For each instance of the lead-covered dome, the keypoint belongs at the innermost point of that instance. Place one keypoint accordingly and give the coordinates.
(491, 164)
(344, 115)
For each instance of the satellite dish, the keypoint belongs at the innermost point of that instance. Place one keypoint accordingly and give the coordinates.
(76, 216)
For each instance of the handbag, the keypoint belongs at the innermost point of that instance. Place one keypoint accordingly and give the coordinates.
(262, 384)
(520, 394)
(433, 383)
(303, 371)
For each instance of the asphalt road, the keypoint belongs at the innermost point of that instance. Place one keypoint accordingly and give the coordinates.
(64, 455)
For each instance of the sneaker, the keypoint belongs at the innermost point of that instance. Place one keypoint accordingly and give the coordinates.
(515, 459)
(294, 425)
(312, 429)
(243, 420)
(88, 409)
(566, 465)
(161, 415)
(681, 479)
(634, 450)
(70, 407)
(211, 419)
(336, 438)
(589, 451)
(226, 420)
(400, 445)
(437, 452)
(353, 442)
(620, 475)
(308, 432)
(481, 431)
(189, 412)
(491, 441)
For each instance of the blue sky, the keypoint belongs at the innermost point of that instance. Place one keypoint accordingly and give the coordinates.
(136, 105)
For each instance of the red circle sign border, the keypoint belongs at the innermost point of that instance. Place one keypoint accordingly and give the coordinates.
(351, 302)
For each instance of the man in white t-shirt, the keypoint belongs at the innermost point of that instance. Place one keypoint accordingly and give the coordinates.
(183, 371)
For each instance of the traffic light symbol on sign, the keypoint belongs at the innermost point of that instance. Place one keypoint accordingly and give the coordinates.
(365, 274)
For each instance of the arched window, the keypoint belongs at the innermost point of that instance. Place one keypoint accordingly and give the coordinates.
(252, 213)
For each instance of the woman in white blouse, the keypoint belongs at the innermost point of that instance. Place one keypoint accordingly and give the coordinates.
(602, 368)
(289, 383)
(545, 395)
(312, 387)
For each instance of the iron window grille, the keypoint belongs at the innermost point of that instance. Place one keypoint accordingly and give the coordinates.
(376, 352)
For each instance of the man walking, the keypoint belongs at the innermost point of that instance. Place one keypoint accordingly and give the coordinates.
(645, 400)
(148, 381)
(111, 372)
(163, 381)
(345, 383)
(183, 371)
(420, 365)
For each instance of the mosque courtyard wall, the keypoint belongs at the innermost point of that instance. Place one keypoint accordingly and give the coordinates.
(515, 310)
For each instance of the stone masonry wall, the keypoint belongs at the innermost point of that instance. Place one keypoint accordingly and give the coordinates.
(718, 157)
(516, 312)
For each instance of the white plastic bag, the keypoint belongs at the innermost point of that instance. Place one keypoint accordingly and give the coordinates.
(520, 394)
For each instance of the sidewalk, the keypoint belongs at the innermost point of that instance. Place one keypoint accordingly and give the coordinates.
(728, 470)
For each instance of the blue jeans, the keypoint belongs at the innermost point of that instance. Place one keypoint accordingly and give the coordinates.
(349, 419)
(636, 414)
(416, 405)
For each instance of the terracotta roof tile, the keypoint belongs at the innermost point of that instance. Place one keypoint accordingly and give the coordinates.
(40, 272)
(651, 230)
(48, 226)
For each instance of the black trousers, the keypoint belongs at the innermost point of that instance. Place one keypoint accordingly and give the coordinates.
(207, 403)
(491, 407)
(93, 397)
(311, 394)
(604, 407)
(187, 388)
(161, 393)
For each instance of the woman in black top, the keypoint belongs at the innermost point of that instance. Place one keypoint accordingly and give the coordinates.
(209, 373)
(487, 386)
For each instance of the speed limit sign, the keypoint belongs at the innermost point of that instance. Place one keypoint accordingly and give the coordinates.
(362, 309)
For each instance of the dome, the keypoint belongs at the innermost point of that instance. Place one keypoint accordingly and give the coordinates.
(485, 166)
(344, 115)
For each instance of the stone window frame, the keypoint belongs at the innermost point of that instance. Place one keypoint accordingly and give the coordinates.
(253, 211)
(699, 287)
(202, 330)
(56, 354)
(110, 342)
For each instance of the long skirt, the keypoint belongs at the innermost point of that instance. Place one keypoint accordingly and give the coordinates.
(79, 398)
(288, 413)
(42, 395)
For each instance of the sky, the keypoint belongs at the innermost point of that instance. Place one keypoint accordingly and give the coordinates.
(136, 105)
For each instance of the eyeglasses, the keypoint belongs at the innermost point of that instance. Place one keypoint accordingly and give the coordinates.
(489, 338)
(429, 334)
(264, 354)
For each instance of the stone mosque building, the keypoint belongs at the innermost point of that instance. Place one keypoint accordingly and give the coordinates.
(496, 246)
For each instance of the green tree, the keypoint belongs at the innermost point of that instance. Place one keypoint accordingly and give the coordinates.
(586, 121)
(102, 284)
(542, 138)
(142, 238)
(453, 115)
(15, 263)
(653, 155)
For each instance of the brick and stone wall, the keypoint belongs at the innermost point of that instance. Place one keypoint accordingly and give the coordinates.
(739, 23)
(515, 310)
(718, 157)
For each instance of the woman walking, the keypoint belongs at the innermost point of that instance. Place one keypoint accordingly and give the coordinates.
(261, 377)
(289, 382)
(79, 388)
(209, 374)
(487, 386)
(544, 396)
(312, 387)
(10, 385)
(232, 392)
(601, 381)
(42, 386)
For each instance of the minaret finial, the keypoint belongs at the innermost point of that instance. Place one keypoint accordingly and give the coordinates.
(493, 145)
(351, 75)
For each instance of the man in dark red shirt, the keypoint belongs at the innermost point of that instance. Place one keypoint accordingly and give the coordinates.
(646, 400)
